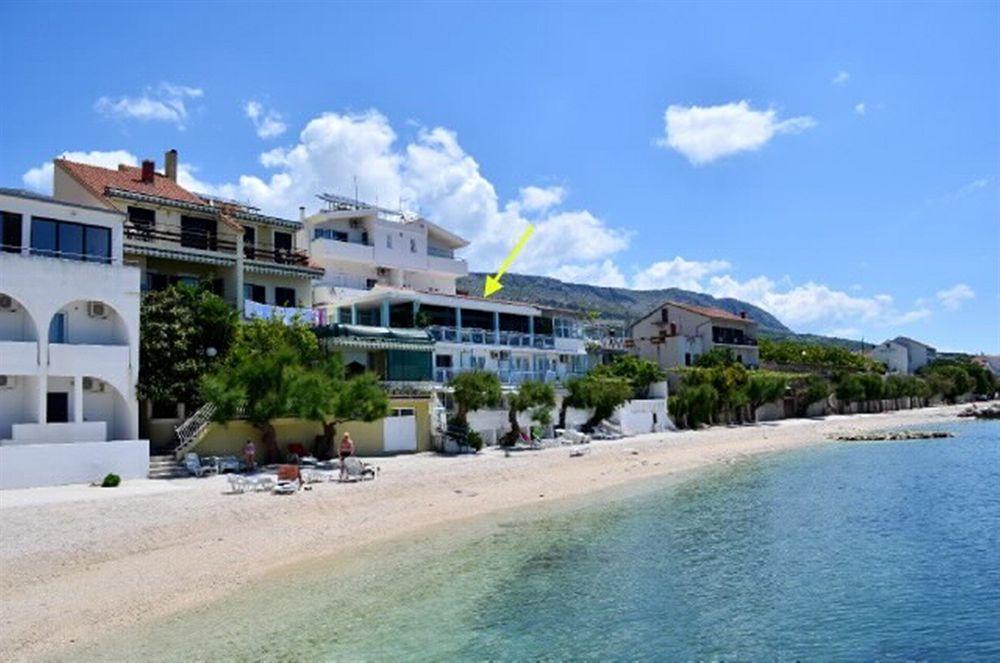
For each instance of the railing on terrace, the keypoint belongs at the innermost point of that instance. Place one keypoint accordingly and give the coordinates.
(491, 337)
(347, 281)
(509, 376)
(724, 340)
(440, 253)
(269, 253)
(16, 249)
(186, 237)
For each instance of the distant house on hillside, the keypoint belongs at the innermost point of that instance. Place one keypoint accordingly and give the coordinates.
(903, 355)
(676, 334)
(894, 355)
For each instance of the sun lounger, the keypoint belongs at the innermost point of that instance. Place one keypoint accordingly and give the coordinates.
(287, 487)
(289, 479)
(237, 483)
(195, 467)
(358, 470)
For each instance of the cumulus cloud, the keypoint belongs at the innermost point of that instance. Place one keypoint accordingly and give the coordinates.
(539, 199)
(39, 178)
(433, 175)
(860, 108)
(704, 134)
(267, 122)
(841, 78)
(605, 273)
(677, 273)
(165, 102)
(953, 297)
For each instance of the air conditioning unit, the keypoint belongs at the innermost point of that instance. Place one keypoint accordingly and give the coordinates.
(8, 381)
(92, 384)
(382, 271)
(97, 309)
(7, 303)
(494, 354)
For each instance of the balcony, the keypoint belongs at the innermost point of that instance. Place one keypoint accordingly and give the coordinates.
(175, 236)
(276, 255)
(490, 337)
(446, 265)
(338, 250)
(287, 314)
(107, 362)
(18, 357)
(508, 377)
(742, 341)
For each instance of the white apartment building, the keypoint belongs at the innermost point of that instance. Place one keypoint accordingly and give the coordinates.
(675, 335)
(384, 269)
(903, 355)
(69, 345)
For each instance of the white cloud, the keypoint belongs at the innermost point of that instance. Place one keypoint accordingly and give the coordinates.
(813, 304)
(843, 332)
(841, 78)
(539, 199)
(40, 178)
(162, 103)
(973, 186)
(704, 134)
(677, 273)
(604, 274)
(860, 108)
(953, 297)
(267, 122)
(431, 174)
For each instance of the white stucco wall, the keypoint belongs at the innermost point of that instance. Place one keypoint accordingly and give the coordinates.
(29, 465)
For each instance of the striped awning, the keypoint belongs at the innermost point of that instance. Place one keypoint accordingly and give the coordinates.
(353, 343)
(274, 269)
(179, 254)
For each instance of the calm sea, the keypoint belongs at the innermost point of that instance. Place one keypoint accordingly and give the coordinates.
(845, 551)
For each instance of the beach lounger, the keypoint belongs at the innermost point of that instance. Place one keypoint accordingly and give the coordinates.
(358, 470)
(194, 466)
(289, 480)
(237, 484)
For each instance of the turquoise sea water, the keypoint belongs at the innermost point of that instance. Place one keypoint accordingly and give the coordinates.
(852, 551)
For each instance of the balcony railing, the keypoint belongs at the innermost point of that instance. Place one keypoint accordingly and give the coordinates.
(723, 340)
(508, 377)
(278, 255)
(186, 237)
(440, 253)
(491, 337)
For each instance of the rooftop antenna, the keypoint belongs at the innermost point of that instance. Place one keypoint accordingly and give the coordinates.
(356, 200)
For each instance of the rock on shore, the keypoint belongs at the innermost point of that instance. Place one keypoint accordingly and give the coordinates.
(875, 436)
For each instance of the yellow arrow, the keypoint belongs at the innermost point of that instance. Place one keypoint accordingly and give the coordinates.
(493, 282)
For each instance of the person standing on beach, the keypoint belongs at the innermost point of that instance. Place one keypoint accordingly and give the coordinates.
(250, 456)
(346, 450)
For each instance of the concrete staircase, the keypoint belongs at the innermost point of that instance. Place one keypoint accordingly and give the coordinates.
(165, 466)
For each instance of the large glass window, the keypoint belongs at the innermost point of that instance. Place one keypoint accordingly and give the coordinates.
(141, 217)
(284, 296)
(97, 244)
(74, 241)
(11, 232)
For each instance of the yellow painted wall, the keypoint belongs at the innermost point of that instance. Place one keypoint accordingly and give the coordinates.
(226, 440)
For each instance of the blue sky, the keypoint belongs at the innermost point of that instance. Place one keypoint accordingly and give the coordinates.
(837, 164)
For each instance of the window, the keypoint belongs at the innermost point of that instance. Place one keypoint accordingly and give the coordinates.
(255, 293)
(442, 361)
(198, 233)
(11, 235)
(283, 241)
(249, 240)
(330, 233)
(57, 328)
(413, 245)
(284, 296)
(141, 217)
(388, 241)
(664, 315)
(74, 241)
(403, 412)
(687, 358)
(57, 407)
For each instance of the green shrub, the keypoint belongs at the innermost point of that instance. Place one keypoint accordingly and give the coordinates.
(474, 440)
(111, 481)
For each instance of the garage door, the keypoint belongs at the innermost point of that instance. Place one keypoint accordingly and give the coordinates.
(400, 430)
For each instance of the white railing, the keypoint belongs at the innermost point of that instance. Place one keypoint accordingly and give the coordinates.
(507, 376)
(189, 432)
(288, 314)
(491, 337)
(344, 281)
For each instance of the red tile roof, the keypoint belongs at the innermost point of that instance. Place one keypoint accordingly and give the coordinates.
(709, 311)
(128, 178)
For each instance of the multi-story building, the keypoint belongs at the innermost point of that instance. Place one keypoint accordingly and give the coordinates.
(676, 334)
(894, 355)
(69, 344)
(903, 355)
(384, 269)
(175, 235)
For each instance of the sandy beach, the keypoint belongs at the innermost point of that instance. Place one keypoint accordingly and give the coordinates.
(78, 562)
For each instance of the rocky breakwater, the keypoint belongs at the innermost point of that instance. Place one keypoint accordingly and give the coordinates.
(989, 411)
(890, 436)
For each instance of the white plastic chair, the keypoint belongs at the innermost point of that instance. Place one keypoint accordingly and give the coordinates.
(194, 466)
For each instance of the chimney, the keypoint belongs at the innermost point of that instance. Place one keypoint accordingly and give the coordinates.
(170, 165)
(743, 314)
(148, 170)
(302, 213)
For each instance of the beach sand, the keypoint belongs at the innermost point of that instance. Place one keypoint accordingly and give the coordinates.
(78, 563)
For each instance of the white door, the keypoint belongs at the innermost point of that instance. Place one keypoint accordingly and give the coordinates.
(400, 430)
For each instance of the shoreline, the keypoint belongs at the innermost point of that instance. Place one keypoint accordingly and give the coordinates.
(79, 562)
